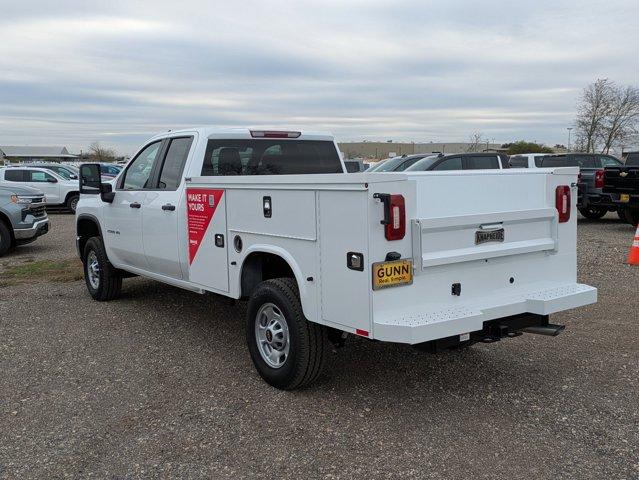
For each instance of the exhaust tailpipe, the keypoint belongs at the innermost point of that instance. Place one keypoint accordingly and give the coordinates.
(550, 330)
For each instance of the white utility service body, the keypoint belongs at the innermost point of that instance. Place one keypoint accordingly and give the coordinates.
(409, 257)
(318, 219)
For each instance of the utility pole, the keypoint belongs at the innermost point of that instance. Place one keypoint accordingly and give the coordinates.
(569, 130)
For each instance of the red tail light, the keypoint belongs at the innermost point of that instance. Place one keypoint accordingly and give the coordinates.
(274, 134)
(599, 179)
(562, 202)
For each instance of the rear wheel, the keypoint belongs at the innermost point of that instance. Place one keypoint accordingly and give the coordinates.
(103, 281)
(5, 238)
(631, 216)
(594, 213)
(72, 202)
(287, 350)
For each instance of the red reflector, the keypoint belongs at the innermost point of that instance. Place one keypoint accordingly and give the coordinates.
(362, 333)
(599, 179)
(395, 229)
(562, 202)
(274, 134)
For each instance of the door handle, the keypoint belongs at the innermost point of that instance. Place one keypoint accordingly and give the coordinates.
(168, 206)
(134, 205)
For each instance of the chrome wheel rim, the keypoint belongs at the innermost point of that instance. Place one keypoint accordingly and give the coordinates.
(74, 204)
(93, 270)
(272, 335)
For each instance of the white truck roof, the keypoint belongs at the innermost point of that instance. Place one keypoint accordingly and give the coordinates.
(245, 132)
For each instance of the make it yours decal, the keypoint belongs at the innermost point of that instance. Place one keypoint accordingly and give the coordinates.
(201, 204)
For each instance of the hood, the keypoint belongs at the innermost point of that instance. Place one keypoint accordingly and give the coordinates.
(15, 189)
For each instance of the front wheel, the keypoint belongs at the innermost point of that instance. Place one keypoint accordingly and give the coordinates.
(103, 281)
(593, 213)
(287, 350)
(5, 238)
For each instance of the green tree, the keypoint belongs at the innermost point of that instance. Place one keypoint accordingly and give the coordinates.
(522, 146)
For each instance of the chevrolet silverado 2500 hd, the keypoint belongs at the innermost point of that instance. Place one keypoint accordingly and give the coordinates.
(433, 259)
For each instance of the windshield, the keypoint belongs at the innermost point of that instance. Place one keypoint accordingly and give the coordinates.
(375, 166)
(423, 164)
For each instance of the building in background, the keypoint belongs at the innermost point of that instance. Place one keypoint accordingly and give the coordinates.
(379, 150)
(25, 154)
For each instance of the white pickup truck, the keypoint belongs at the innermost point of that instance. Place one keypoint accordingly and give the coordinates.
(433, 259)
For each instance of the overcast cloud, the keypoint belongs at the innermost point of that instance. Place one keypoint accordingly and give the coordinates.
(73, 72)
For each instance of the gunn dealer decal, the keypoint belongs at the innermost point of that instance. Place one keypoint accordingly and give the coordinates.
(201, 204)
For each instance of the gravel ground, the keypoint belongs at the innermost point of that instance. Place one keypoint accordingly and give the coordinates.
(160, 384)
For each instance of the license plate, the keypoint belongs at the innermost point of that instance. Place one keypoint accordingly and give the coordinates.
(392, 274)
(624, 198)
(485, 236)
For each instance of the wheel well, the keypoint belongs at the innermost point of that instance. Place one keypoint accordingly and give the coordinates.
(260, 266)
(86, 228)
(7, 222)
(70, 194)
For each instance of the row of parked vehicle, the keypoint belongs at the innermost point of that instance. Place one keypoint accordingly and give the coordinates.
(26, 190)
(605, 183)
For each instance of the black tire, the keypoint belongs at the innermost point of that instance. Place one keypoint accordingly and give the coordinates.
(109, 284)
(72, 202)
(309, 343)
(5, 238)
(631, 216)
(593, 213)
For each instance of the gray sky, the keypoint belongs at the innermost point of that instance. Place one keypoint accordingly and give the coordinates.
(73, 72)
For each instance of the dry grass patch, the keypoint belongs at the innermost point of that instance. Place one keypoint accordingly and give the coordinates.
(59, 271)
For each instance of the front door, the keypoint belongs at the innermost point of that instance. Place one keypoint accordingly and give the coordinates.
(123, 217)
(47, 183)
(163, 210)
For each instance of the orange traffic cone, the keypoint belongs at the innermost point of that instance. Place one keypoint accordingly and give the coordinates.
(633, 257)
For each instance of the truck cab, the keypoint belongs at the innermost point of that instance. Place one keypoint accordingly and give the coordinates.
(433, 259)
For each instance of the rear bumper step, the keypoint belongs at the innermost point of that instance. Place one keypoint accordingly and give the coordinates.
(551, 330)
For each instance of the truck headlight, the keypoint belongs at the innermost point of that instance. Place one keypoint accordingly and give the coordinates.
(20, 200)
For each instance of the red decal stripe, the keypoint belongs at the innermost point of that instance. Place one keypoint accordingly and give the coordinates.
(201, 204)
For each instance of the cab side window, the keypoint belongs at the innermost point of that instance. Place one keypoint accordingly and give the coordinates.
(482, 162)
(174, 162)
(609, 162)
(35, 176)
(11, 175)
(139, 171)
(454, 163)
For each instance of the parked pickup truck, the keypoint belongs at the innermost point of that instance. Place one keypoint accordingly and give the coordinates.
(433, 259)
(622, 182)
(23, 217)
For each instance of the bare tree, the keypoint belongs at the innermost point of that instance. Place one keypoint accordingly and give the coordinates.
(621, 122)
(100, 153)
(594, 106)
(476, 142)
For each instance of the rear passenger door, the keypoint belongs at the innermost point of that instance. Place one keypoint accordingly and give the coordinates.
(162, 210)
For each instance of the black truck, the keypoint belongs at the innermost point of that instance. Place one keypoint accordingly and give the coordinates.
(622, 184)
(593, 201)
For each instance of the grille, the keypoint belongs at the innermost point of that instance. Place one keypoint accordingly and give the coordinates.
(39, 211)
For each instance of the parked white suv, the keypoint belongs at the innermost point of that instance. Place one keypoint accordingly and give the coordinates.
(57, 190)
(435, 259)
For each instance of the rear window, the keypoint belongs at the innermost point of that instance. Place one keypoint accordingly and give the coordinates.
(632, 160)
(270, 157)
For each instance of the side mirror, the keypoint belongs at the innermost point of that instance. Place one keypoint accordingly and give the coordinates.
(91, 182)
(51, 180)
(73, 176)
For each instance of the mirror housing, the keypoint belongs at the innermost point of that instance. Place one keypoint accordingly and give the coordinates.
(52, 180)
(91, 182)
